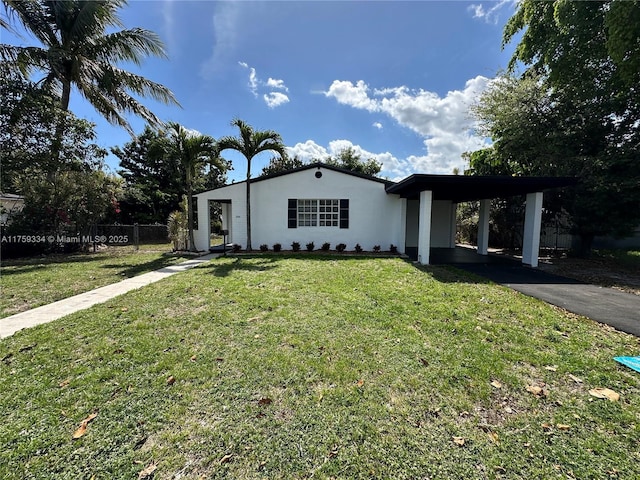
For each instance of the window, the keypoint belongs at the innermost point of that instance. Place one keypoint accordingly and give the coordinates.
(318, 213)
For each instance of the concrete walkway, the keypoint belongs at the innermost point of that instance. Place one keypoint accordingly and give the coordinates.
(605, 305)
(61, 308)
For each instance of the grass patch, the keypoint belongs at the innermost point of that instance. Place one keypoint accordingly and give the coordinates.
(30, 282)
(318, 367)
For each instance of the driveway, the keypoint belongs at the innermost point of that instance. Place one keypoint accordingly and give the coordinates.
(606, 305)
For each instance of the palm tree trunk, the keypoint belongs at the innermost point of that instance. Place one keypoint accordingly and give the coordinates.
(249, 206)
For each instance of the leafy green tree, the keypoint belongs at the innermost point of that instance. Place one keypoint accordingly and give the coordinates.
(80, 50)
(154, 184)
(250, 143)
(282, 164)
(348, 159)
(193, 150)
(572, 112)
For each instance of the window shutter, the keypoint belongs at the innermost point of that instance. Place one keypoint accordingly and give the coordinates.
(292, 216)
(344, 213)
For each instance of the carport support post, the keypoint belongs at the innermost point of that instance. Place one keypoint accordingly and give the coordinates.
(424, 228)
(483, 227)
(532, 222)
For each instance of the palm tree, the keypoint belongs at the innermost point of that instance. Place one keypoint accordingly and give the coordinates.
(250, 143)
(78, 52)
(194, 150)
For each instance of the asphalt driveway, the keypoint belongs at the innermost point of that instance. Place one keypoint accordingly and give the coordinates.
(603, 304)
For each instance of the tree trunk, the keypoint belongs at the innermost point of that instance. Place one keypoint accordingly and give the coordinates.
(249, 207)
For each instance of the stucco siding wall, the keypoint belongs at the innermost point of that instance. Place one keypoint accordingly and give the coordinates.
(236, 224)
(374, 216)
(441, 224)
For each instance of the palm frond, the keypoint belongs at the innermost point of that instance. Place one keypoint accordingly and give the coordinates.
(35, 18)
(131, 45)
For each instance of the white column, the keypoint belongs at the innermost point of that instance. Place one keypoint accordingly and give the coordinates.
(424, 227)
(201, 235)
(402, 234)
(453, 225)
(483, 227)
(532, 223)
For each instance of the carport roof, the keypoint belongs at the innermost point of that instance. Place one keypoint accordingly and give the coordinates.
(463, 188)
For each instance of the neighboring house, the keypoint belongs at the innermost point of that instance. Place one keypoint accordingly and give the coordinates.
(321, 203)
(9, 204)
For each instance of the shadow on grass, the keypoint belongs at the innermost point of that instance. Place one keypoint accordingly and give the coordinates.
(23, 265)
(132, 270)
(224, 269)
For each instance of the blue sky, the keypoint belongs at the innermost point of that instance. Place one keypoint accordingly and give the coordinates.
(392, 79)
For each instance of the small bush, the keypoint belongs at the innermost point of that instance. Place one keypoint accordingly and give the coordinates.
(295, 246)
(376, 248)
(325, 246)
(358, 248)
(393, 248)
(310, 246)
(340, 247)
(277, 247)
(236, 248)
(264, 247)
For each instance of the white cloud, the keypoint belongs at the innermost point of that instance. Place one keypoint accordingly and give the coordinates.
(168, 16)
(275, 99)
(490, 15)
(273, 83)
(272, 99)
(378, 125)
(443, 122)
(225, 21)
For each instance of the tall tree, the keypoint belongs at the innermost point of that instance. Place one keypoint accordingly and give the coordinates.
(194, 150)
(79, 50)
(282, 164)
(250, 143)
(348, 159)
(574, 110)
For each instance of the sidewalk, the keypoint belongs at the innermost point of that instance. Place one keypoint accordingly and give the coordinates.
(61, 308)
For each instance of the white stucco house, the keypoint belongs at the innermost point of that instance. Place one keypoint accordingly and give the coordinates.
(322, 203)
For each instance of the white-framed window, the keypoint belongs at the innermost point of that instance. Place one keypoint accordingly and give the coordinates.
(325, 212)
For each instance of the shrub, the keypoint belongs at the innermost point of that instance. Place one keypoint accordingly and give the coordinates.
(310, 247)
(277, 247)
(264, 247)
(236, 248)
(295, 246)
(376, 248)
(358, 248)
(325, 246)
(340, 247)
(393, 248)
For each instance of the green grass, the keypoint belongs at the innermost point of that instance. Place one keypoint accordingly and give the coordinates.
(623, 257)
(31, 282)
(318, 367)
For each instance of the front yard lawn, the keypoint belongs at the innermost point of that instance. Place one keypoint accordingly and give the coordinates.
(318, 367)
(30, 282)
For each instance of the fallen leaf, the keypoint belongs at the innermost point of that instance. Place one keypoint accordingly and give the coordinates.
(575, 379)
(82, 429)
(147, 472)
(605, 393)
(265, 401)
(219, 359)
(547, 426)
(424, 362)
(193, 358)
(64, 383)
(226, 459)
(551, 368)
(360, 383)
(171, 380)
(508, 409)
(537, 391)
(562, 426)
(458, 441)
(124, 309)
(493, 436)
(496, 384)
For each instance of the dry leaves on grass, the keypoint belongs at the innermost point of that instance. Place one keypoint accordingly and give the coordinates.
(171, 380)
(82, 429)
(458, 441)
(538, 390)
(147, 472)
(605, 393)
(496, 384)
(265, 401)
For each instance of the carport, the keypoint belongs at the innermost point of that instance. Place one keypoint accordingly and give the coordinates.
(429, 202)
